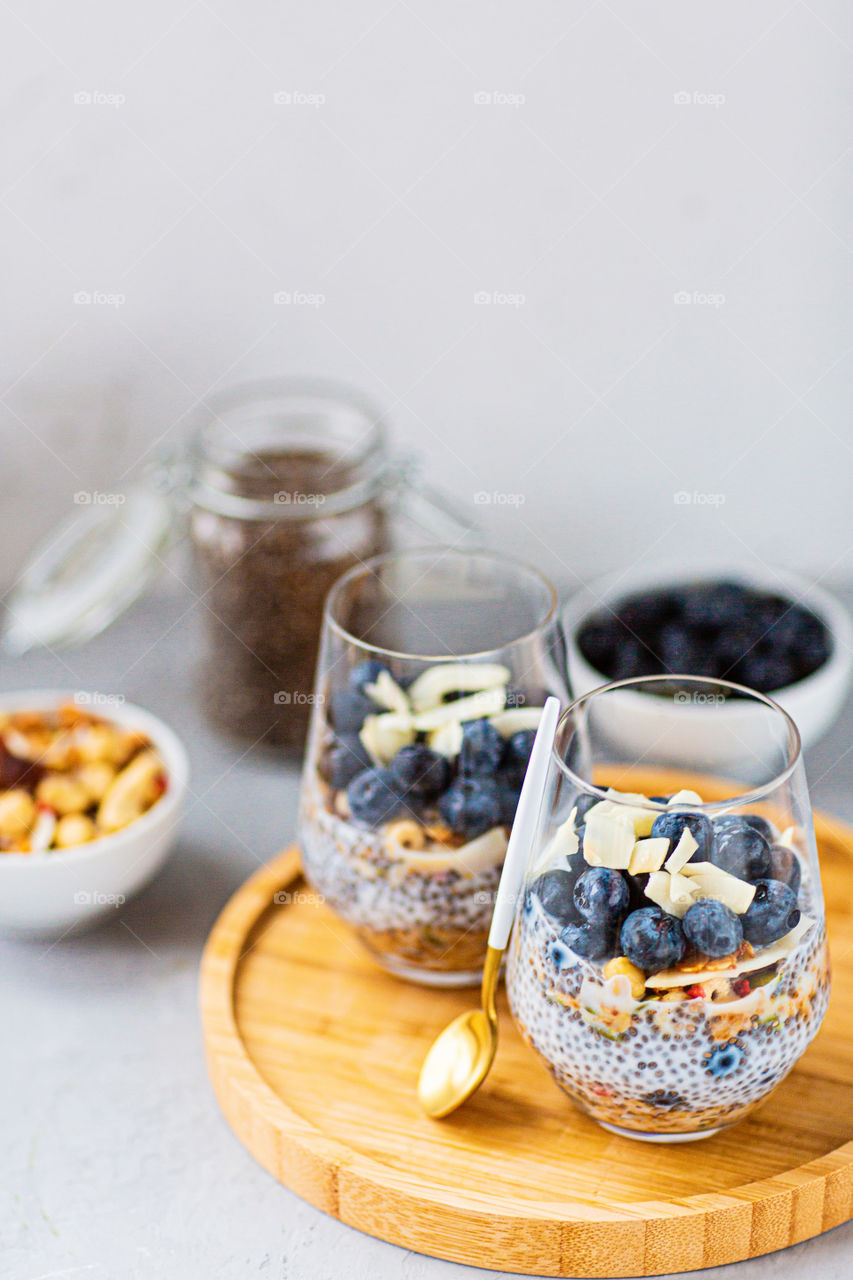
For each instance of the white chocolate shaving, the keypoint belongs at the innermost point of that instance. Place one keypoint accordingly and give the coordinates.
(487, 702)
(512, 719)
(648, 855)
(383, 735)
(387, 693)
(683, 851)
(437, 682)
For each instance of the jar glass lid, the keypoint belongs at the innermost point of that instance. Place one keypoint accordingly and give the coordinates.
(91, 569)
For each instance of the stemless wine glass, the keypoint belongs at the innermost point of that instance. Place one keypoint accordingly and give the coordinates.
(433, 669)
(668, 960)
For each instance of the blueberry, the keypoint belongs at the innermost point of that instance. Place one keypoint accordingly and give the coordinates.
(761, 825)
(724, 1059)
(772, 913)
(659, 799)
(766, 672)
(349, 709)
(652, 940)
(481, 750)
(471, 806)
(712, 928)
(785, 867)
(601, 896)
(366, 672)
(517, 753)
(665, 1099)
(646, 610)
(372, 797)
(731, 647)
(715, 604)
(559, 955)
(509, 793)
(597, 641)
(555, 889)
(681, 652)
(636, 891)
(672, 824)
(741, 850)
(794, 626)
(589, 940)
(809, 653)
(419, 771)
(728, 822)
(633, 658)
(347, 757)
(583, 804)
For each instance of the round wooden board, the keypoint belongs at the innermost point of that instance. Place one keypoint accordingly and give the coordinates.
(314, 1053)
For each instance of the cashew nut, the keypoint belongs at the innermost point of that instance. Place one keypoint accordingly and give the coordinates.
(131, 792)
(103, 742)
(95, 777)
(63, 794)
(74, 828)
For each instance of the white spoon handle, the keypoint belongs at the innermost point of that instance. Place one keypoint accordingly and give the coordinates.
(524, 827)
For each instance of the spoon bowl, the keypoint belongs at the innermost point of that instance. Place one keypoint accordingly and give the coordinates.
(457, 1063)
(460, 1058)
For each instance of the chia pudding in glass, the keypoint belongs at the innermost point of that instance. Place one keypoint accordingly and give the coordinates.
(433, 670)
(668, 961)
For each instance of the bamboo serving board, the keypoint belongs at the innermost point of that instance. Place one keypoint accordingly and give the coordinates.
(314, 1054)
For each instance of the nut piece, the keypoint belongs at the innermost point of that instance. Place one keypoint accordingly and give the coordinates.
(132, 792)
(62, 794)
(103, 742)
(621, 965)
(17, 813)
(405, 834)
(74, 828)
(95, 777)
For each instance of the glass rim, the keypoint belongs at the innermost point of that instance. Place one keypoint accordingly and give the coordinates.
(635, 683)
(440, 553)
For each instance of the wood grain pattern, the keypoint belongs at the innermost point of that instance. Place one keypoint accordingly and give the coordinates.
(314, 1054)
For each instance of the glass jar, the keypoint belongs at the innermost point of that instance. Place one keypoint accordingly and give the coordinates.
(284, 486)
(289, 490)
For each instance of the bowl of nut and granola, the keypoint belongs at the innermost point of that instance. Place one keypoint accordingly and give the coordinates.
(90, 797)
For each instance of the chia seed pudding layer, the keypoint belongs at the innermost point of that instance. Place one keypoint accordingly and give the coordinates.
(660, 1066)
(436, 921)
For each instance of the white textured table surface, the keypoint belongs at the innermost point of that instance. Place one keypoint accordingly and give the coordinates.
(116, 1162)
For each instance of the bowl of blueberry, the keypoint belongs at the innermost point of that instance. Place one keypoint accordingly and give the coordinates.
(765, 630)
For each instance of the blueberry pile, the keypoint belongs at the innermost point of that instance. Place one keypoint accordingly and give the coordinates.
(602, 913)
(718, 629)
(471, 794)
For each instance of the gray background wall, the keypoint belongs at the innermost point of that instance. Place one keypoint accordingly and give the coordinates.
(580, 164)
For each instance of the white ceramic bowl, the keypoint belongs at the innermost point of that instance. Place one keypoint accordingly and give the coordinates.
(46, 895)
(702, 736)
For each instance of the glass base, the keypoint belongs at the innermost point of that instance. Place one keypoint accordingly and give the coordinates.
(638, 1136)
(430, 977)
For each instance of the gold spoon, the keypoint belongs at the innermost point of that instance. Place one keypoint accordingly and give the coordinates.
(460, 1058)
